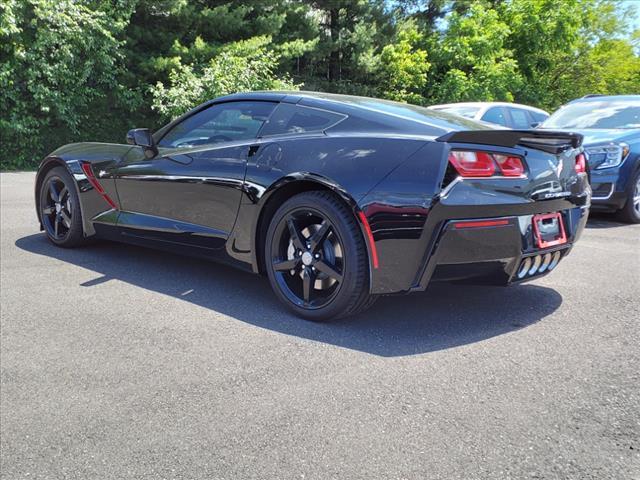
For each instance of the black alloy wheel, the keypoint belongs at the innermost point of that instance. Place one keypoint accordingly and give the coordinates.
(60, 209)
(316, 258)
(308, 259)
(56, 209)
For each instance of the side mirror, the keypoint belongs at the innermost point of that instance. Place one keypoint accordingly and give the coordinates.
(143, 138)
(535, 124)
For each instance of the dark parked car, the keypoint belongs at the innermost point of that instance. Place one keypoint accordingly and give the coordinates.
(611, 129)
(336, 199)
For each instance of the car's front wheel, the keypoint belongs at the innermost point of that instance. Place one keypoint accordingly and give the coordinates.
(631, 211)
(60, 209)
(316, 258)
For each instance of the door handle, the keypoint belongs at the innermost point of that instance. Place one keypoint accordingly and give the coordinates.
(253, 149)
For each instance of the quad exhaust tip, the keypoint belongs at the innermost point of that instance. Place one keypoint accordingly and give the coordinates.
(538, 264)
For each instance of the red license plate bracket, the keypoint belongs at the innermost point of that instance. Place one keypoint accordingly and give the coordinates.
(548, 230)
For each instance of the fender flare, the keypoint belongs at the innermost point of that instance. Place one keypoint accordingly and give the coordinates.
(325, 184)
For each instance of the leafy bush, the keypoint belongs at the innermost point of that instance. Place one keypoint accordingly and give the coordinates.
(404, 66)
(88, 70)
(60, 60)
(239, 66)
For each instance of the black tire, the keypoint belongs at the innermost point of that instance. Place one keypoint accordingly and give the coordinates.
(325, 238)
(631, 211)
(61, 217)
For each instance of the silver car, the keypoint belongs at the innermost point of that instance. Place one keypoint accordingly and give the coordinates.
(510, 115)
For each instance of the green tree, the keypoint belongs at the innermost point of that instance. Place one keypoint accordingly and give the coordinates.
(239, 66)
(403, 66)
(472, 58)
(60, 61)
(78, 70)
(173, 42)
(427, 13)
(351, 34)
(564, 53)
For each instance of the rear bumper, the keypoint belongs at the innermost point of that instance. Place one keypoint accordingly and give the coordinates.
(413, 230)
(417, 248)
(497, 254)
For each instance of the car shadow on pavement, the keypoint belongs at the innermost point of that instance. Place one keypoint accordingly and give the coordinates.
(604, 220)
(445, 316)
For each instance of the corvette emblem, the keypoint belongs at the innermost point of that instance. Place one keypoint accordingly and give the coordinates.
(556, 167)
(556, 195)
(559, 168)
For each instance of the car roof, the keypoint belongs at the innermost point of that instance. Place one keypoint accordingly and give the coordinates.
(489, 104)
(612, 98)
(367, 107)
(295, 96)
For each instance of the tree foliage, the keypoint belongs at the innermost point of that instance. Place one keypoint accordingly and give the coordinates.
(473, 60)
(77, 70)
(60, 60)
(235, 67)
(404, 66)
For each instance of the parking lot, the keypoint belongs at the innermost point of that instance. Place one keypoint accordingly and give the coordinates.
(120, 362)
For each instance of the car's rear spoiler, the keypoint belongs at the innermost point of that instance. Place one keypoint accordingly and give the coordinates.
(548, 141)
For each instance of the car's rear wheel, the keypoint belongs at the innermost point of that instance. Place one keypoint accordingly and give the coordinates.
(631, 211)
(316, 258)
(60, 209)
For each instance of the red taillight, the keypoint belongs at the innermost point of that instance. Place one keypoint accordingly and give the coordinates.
(88, 171)
(581, 163)
(510, 166)
(472, 164)
(483, 164)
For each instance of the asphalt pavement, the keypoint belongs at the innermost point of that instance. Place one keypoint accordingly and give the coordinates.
(121, 362)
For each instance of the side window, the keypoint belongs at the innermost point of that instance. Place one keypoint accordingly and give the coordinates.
(521, 118)
(224, 122)
(539, 117)
(288, 118)
(495, 115)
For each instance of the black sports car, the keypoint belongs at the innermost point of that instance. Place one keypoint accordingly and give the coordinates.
(337, 199)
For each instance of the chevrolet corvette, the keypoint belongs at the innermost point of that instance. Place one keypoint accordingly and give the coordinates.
(336, 199)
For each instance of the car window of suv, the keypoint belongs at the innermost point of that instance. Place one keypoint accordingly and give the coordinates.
(223, 122)
(289, 118)
(495, 115)
(520, 118)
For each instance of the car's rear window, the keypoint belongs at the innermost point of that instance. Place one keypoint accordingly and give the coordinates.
(288, 118)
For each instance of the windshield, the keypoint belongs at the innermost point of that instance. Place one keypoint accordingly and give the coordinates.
(468, 112)
(597, 114)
